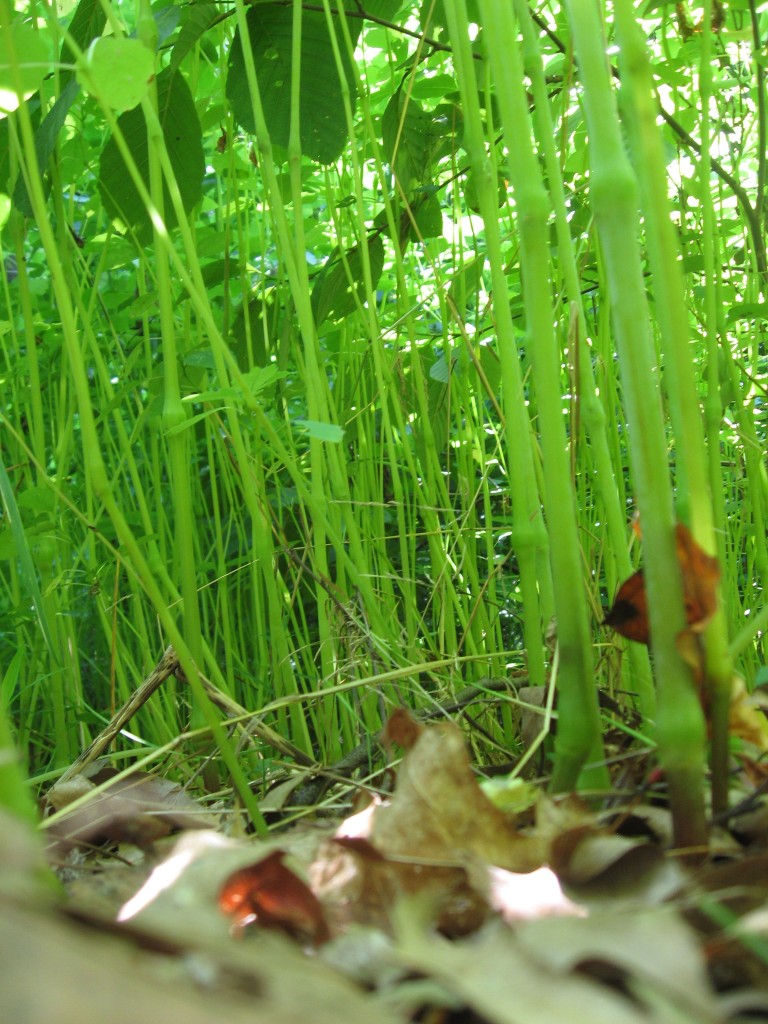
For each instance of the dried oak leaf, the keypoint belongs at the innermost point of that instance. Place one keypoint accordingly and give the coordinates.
(138, 809)
(423, 841)
(269, 894)
(701, 574)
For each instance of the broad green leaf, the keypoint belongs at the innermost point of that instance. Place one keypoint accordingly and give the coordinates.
(197, 20)
(45, 140)
(87, 24)
(118, 72)
(261, 377)
(200, 358)
(330, 432)
(37, 498)
(428, 216)
(466, 283)
(440, 371)
(748, 311)
(23, 65)
(432, 15)
(339, 287)
(166, 19)
(434, 87)
(321, 112)
(181, 130)
(405, 137)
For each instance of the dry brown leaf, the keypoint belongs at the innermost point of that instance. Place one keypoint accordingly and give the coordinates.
(642, 945)
(746, 717)
(138, 809)
(401, 730)
(90, 977)
(628, 615)
(437, 824)
(269, 894)
(498, 979)
(600, 866)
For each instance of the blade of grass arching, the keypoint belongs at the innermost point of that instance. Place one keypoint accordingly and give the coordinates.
(529, 537)
(93, 460)
(680, 726)
(175, 416)
(419, 490)
(591, 408)
(326, 462)
(663, 251)
(578, 742)
(26, 561)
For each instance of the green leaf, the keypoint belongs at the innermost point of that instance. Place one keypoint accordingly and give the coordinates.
(408, 136)
(440, 371)
(262, 377)
(748, 311)
(87, 24)
(330, 432)
(181, 131)
(340, 286)
(466, 283)
(428, 215)
(166, 19)
(197, 19)
(321, 113)
(45, 140)
(118, 72)
(23, 65)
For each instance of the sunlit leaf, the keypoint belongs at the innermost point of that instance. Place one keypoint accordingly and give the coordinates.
(181, 131)
(118, 72)
(23, 64)
(322, 123)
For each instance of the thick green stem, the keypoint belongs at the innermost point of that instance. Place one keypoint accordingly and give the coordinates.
(638, 678)
(681, 731)
(529, 536)
(578, 735)
(669, 291)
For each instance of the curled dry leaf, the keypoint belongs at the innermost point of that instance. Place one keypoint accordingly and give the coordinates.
(269, 894)
(421, 842)
(401, 730)
(701, 576)
(138, 808)
(747, 718)
(601, 867)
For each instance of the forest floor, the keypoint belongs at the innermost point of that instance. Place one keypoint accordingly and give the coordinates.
(438, 898)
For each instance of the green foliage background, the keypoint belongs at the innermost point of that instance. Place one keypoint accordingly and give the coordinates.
(307, 370)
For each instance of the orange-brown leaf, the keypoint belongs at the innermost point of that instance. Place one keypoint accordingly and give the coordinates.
(270, 894)
(401, 730)
(701, 575)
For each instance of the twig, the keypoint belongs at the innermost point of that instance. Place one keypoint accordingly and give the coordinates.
(167, 666)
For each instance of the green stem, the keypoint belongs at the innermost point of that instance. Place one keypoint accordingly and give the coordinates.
(681, 732)
(578, 736)
(529, 536)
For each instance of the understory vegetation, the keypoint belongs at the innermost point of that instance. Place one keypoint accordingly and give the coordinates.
(383, 415)
(342, 351)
